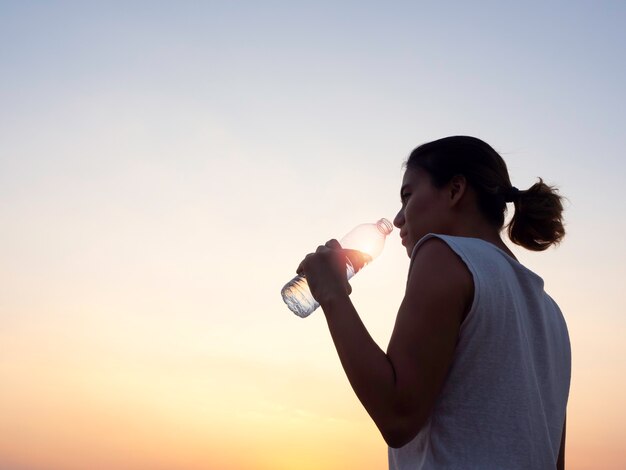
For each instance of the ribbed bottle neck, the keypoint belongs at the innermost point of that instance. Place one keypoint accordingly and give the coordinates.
(384, 226)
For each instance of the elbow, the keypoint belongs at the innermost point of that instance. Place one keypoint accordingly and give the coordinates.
(396, 441)
(401, 421)
(401, 431)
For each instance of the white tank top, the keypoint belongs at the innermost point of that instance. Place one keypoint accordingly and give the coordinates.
(503, 402)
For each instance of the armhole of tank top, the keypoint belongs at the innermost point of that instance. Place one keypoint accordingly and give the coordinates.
(461, 254)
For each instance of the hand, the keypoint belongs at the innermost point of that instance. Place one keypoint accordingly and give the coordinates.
(325, 270)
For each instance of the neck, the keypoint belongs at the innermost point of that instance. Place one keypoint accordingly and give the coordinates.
(483, 231)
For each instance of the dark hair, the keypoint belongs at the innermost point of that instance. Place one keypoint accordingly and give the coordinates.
(537, 222)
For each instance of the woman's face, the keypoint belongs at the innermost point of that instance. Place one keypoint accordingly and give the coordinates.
(423, 208)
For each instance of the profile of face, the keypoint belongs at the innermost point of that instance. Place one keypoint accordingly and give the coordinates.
(424, 208)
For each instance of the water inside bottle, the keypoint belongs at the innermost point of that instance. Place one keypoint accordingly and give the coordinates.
(355, 263)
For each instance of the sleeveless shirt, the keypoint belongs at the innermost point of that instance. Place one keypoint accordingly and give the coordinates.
(503, 402)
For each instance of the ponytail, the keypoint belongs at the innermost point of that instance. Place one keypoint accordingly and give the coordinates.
(538, 220)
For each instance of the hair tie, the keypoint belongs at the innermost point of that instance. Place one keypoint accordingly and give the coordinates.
(511, 194)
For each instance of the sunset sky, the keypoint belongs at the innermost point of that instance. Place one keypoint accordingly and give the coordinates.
(165, 166)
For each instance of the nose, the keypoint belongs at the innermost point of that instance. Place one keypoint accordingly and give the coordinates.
(398, 221)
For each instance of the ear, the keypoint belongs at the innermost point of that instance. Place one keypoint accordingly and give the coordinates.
(456, 189)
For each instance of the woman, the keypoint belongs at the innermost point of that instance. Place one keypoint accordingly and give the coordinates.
(477, 371)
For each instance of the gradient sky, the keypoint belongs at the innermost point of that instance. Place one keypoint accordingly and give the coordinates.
(164, 166)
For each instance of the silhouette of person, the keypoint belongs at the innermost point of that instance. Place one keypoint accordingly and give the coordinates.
(477, 371)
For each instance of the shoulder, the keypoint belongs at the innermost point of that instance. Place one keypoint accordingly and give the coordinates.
(434, 255)
(437, 270)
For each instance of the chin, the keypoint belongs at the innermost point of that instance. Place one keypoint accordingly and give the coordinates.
(409, 250)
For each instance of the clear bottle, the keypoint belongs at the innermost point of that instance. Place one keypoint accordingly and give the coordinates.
(369, 239)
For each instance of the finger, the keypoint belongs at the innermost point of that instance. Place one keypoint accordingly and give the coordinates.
(300, 270)
(333, 244)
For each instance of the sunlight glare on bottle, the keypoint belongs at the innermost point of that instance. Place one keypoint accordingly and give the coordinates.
(369, 239)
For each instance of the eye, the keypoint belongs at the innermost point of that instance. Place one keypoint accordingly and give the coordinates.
(404, 197)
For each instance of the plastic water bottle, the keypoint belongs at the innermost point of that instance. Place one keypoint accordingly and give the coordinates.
(369, 239)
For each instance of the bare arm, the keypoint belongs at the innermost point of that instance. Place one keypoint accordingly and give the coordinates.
(398, 389)
(560, 463)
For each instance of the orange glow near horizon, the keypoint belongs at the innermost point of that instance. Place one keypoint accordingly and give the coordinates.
(64, 411)
(75, 399)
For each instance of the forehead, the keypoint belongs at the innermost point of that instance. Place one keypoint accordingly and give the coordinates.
(413, 176)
